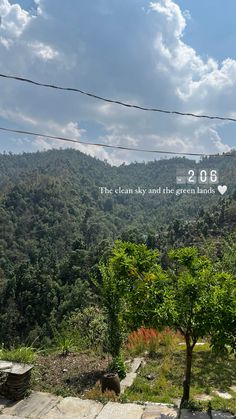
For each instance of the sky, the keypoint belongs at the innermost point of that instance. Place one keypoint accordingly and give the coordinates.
(171, 54)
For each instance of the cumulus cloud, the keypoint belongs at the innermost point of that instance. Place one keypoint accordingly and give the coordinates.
(131, 51)
(13, 19)
(43, 51)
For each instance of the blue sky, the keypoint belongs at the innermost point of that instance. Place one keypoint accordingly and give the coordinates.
(212, 28)
(170, 54)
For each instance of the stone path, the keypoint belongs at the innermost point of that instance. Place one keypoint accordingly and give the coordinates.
(130, 376)
(47, 406)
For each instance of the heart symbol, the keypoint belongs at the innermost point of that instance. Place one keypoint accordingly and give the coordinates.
(222, 189)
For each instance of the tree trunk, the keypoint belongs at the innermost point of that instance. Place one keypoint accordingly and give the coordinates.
(188, 367)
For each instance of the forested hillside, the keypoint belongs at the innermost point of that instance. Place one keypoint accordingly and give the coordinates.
(55, 226)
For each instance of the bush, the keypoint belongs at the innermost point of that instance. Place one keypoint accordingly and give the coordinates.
(96, 393)
(143, 340)
(64, 344)
(118, 366)
(90, 328)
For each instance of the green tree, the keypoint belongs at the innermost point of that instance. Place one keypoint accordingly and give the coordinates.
(122, 288)
(197, 302)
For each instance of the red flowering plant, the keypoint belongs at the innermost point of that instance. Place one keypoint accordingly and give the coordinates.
(150, 340)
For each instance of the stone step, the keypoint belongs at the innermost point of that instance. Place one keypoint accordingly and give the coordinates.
(11, 417)
(35, 406)
(114, 410)
(130, 376)
(46, 406)
(221, 415)
(127, 381)
(187, 414)
(135, 365)
(75, 408)
(160, 412)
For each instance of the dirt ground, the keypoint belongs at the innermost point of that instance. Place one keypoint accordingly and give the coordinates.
(68, 375)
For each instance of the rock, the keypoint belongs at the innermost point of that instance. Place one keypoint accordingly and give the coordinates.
(203, 397)
(176, 402)
(221, 415)
(16, 382)
(127, 381)
(5, 365)
(75, 408)
(150, 377)
(135, 365)
(223, 394)
(11, 417)
(187, 414)
(35, 406)
(114, 410)
(160, 412)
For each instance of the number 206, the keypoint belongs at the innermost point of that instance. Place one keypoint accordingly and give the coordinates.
(203, 176)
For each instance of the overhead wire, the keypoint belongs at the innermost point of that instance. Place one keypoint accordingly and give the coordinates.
(37, 134)
(118, 102)
(121, 103)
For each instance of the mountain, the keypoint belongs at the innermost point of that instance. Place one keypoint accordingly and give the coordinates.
(55, 225)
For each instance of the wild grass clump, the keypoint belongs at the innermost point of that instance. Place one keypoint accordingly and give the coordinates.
(96, 393)
(150, 340)
(23, 354)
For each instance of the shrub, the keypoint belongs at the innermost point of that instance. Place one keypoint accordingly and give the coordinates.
(90, 327)
(95, 393)
(64, 344)
(150, 340)
(118, 366)
(142, 340)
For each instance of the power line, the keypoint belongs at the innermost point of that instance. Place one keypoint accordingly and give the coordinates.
(35, 134)
(117, 102)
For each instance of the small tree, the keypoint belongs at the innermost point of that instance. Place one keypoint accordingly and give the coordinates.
(223, 331)
(191, 302)
(190, 296)
(111, 298)
(121, 278)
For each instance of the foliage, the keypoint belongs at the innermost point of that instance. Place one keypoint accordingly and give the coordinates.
(142, 340)
(118, 366)
(88, 328)
(135, 267)
(112, 300)
(56, 227)
(190, 296)
(197, 302)
(150, 340)
(96, 393)
(121, 288)
(64, 344)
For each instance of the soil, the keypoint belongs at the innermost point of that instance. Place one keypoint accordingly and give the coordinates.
(69, 375)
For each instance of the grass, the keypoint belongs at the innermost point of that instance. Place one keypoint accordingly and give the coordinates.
(23, 354)
(160, 380)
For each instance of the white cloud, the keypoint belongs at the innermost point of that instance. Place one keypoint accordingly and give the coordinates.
(13, 19)
(46, 52)
(173, 16)
(133, 52)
